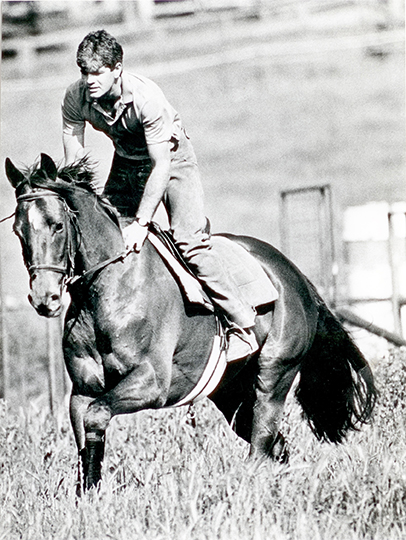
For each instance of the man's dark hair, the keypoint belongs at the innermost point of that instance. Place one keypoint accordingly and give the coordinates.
(100, 48)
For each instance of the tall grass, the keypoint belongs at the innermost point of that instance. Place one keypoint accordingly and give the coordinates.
(166, 479)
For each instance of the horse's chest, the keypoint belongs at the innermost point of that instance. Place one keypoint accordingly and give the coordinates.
(83, 360)
(98, 355)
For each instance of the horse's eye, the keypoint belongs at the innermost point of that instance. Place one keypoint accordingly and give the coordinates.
(58, 227)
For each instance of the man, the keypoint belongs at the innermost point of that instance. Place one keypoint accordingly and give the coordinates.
(153, 162)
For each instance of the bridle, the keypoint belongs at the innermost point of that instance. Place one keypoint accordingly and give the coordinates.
(68, 269)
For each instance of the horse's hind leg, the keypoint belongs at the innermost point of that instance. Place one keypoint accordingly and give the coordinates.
(275, 378)
(290, 335)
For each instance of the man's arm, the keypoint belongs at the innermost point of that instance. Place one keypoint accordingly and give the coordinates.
(74, 147)
(155, 187)
(157, 182)
(73, 124)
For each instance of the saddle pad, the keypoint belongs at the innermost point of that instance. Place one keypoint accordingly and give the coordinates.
(251, 279)
(188, 283)
(254, 285)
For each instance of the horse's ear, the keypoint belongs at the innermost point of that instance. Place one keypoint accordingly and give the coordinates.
(49, 167)
(13, 174)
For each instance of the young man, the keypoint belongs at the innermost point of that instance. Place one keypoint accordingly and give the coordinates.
(153, 162)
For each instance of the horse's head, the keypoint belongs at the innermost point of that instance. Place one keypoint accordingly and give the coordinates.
(43, 226)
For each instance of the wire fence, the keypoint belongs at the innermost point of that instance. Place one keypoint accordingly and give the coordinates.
(308, 236)
(372, 261)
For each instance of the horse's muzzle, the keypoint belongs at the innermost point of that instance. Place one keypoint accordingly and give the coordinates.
(51, 307)
(46, 295)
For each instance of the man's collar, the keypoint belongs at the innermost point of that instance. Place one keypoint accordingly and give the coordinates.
(125, 98)
(126, 91)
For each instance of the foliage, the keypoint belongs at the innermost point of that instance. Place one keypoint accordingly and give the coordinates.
(166, 479)
(391, 375)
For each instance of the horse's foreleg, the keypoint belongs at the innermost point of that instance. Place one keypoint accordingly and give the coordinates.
(90, 445)
(91, 457)
(77, 408)
(140, 389)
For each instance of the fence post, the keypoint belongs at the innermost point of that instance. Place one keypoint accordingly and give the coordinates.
(393, 261)
(140, 11)
(3, 337)
(51, 364)
(146, 10)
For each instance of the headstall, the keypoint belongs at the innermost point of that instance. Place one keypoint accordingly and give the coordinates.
(34, 268)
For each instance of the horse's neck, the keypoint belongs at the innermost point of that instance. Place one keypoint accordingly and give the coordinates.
(100, 238)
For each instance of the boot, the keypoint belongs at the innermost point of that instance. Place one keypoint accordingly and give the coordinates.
(241, 342)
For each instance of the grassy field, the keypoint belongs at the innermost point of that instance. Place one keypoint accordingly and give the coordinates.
(165, 479)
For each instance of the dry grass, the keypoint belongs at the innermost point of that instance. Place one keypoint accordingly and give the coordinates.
(164, 479)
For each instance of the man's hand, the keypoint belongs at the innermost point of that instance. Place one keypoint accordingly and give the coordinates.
(134, 236)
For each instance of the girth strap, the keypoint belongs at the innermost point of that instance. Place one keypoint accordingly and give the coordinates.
(213, 372)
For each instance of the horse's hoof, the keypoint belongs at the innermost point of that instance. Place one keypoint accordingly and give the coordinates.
(279, 451)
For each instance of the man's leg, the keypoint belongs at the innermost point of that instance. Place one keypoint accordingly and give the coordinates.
(125, 184)
(191, 233)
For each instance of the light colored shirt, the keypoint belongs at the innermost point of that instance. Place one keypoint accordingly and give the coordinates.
(143, 116)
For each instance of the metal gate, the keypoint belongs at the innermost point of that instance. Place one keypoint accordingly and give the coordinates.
(307, 235)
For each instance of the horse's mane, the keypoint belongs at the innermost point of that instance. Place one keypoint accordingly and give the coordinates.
(80, 174)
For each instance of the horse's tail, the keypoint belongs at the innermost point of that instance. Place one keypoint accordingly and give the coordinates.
(336, 389)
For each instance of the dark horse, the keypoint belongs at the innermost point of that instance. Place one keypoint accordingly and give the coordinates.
(131, 343)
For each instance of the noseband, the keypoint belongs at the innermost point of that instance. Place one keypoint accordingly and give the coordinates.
(65, 270)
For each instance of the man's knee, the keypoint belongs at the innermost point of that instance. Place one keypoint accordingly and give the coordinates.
(195, 243)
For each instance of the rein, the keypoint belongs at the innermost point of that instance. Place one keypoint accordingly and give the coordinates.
(88, 274)
(2, 220)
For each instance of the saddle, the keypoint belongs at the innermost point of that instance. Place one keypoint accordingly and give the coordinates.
(252, 282)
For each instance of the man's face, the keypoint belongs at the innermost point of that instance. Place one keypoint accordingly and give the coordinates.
(101, 80)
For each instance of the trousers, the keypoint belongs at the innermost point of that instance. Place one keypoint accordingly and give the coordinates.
(189, 226)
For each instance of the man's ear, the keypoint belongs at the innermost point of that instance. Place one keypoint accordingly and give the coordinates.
(118, 69)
